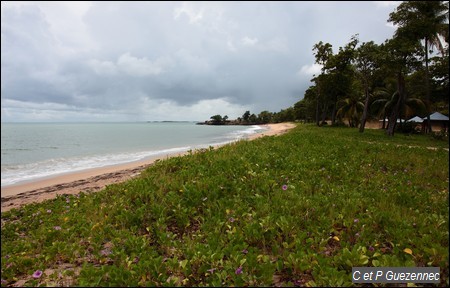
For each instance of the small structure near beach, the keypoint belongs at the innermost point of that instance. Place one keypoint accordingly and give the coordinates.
(415, 119)
(438, 121)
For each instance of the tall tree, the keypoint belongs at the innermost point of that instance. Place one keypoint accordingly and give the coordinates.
(440, 82)
(423, 21)
(265, 117)
(246, 116)
(365, 64)
(341, 74)
(217, 119)
(399, 56)
(322, 52)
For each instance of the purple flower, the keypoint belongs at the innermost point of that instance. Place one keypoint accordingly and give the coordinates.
(245, 251)
(284, 187)
(67, 200)
(356, 220)
(105, 252)
(4, 282)
(57, 227)
(371, 248)
(37, 274)
(49, 211)
(211, 270)
(231, 219)
(238, 271)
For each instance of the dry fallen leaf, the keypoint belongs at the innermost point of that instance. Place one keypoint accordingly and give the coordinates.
(408, 251)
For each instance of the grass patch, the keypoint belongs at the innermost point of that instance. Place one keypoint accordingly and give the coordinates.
(298, 209)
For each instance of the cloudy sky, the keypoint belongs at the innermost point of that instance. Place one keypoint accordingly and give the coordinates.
(139, 61)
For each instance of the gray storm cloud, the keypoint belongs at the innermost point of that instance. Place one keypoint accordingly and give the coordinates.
(133, 61)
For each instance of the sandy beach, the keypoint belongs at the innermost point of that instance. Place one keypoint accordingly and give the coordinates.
(93, 180)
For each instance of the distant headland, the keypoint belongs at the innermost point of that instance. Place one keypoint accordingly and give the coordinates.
(264, 117)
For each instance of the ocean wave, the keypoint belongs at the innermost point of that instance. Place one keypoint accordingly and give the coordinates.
(243, 134)
(57, 165)
(13, 174)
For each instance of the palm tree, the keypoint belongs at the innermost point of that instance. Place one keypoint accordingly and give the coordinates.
(383, 106)
(351, 109)
(423, 21)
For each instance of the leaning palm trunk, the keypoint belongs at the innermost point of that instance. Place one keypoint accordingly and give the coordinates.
(366, 108)
(324, 112)
(317, 112)
(427, 84)
(317, 104)
(396, 111)
(333, 113)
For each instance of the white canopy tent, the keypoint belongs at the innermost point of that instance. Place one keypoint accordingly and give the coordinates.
(416, 119)
(436, 116)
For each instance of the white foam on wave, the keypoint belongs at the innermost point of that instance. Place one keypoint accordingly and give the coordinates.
(57, 166)
(52, 167)
(243, 134)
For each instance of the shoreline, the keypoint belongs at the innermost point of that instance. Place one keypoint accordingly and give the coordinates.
(96, 179)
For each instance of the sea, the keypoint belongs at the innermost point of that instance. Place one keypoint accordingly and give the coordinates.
(31, 151)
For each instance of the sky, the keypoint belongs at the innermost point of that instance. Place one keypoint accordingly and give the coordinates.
(74, 61)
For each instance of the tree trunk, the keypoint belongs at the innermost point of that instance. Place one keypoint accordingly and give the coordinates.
(396, 111)
(366, 108)
(324, 113)
(333, 113)
(427, 84)
(317, 102)
(317, 106)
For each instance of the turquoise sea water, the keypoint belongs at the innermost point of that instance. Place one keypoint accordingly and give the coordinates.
(34, 150)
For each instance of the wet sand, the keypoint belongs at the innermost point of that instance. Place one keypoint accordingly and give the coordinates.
(96, 179)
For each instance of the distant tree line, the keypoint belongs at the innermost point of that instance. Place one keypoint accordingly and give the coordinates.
(265, 117)
(365, 81)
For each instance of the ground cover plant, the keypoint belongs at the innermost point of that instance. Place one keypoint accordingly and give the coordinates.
(300, 209)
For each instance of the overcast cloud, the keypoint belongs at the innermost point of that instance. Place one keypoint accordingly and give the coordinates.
(138, 61)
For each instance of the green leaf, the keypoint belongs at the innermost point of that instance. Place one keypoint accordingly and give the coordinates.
(183, 263)
(376, 254)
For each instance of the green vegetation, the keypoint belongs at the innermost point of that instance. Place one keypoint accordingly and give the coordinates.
(359, 77)
(298, 209)
(355, 73)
